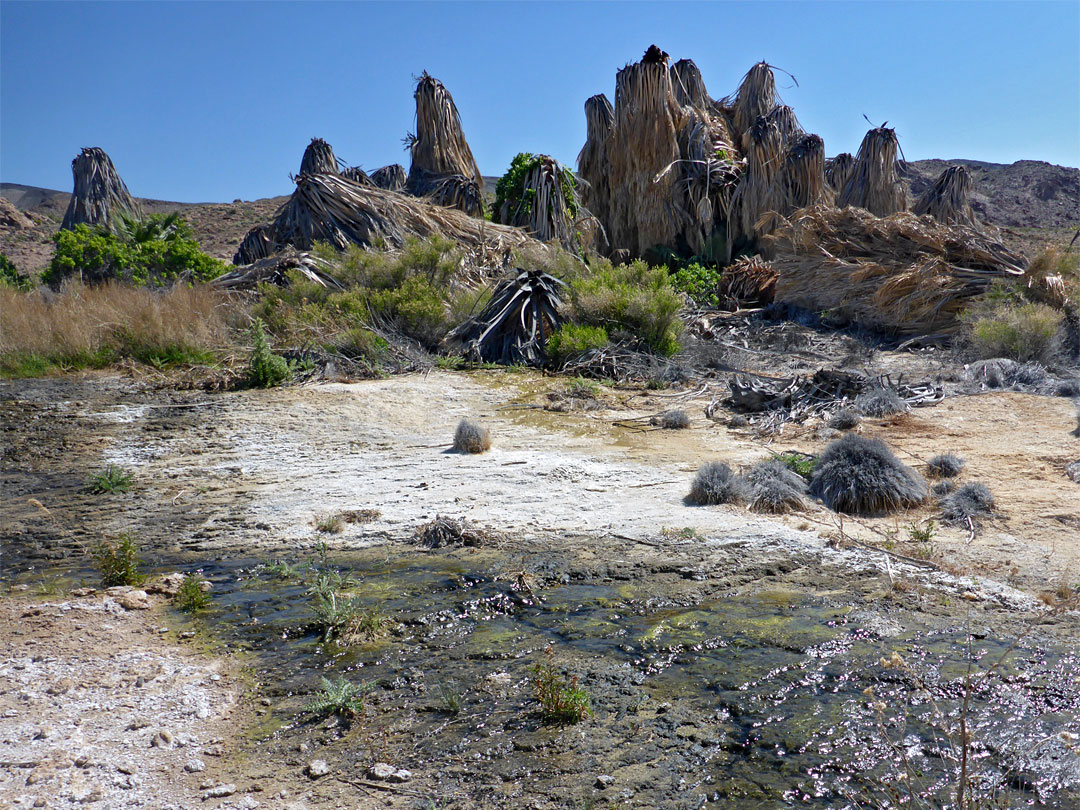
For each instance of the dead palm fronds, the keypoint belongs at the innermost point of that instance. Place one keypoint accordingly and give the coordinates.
(784, 117)
(276, 270)
(801, 179)
(948, 200)
(838, 170)
(456, 191)
(319, 158)
(749, 280)
(257, 244)
(515, 325)
(329, 208)
(357, 175)
(901, 274)
(391, 177)
(875, 183)
(689, 85)
(439, 149)
(546, 205)
(100, 196)
(593, 165)
(755, 97)
(647, 207)
(764, 152)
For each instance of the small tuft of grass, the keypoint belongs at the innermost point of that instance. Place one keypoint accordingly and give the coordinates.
(715, 483)
(341, 697)
(109, 480)
(945, 465)
(561, 699)
(193, 595)
(799, 463)
(330, 524)
(471, 437)
(672, 420)
(922, 534)
(265, 369)
(118, 562)
(342, 617)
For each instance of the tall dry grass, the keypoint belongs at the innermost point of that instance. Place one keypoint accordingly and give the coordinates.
(42, 332)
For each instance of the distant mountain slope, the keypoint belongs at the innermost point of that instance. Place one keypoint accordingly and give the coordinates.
(1027, 194)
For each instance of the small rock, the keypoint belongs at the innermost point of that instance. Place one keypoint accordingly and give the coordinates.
(127, 767)
(206, 784)
(80, 592)
(970, 596)
(163, 739)
(40, 803)
(20, 587)
(44, 733)
(195, 766)
(82, 760)
(220, 791)
(168, 585)
(118, 590)
(135, 600)
(603, 781)
(385, 772)
(317, 768)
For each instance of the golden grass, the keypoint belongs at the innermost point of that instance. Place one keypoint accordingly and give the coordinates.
(82, 326)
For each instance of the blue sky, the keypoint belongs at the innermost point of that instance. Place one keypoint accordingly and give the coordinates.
(213, 101)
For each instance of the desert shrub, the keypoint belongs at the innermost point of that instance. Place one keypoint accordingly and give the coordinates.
(699, 281)
(845, 419)
(945, 465)
(967, 502)
(939, 489)
(111, 479)
(265, 369)
(715, 483)
(118, 561)
(330, 524)
(632, 302)
(878, 401)
(862, 476)
(572, 339)
(799, 463)
(158, 250)
(673, 420)
(471, 437)
(561, 699)
(1018, 331)
(11, 277)
(341, 697)
(775, 488)
(91, 327)
(340, 616)
(417, 308)
(193, 595)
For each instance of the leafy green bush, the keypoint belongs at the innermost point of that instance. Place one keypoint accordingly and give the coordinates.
(109, 480)
(699, 281)
(632, 302)
(343, 698)
(511, 194)
(192, 597)
(572, 339)
(158, 250)
(11, 277)
(118, 562)
(561, 699)
(1021, 332)
(265, 369)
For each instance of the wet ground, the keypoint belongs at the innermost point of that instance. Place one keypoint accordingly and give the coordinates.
(730, 660)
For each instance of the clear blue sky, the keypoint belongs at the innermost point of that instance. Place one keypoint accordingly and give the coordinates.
(214, 101)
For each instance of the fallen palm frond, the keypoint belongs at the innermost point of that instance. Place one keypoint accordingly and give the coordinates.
(276, 270)
(593, 166)
(647, 207)
(392, 177)
(750, 280)
(838, 170)
(456, 191)
(257, 244)
(755, 97)
(903, 273)
(319, 158)
(100, 196)
(764, 147)
(357, 175)
(784, 118)
(948, 199)
(875, 183)
(439, 149)
(539, 195)
(329, 208)
(515, 325)
(801, 179)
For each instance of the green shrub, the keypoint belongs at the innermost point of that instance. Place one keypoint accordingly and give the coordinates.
(1022, 332)
(798, 463)
(510, 191)
(342, 698)
(633, 302)
(265, 369)
(417, 309)
(158, 250)
(109, 480)
(118, 562)
(192, 598)
(11, 277)
(561, 699)
(340, 616)
(699, 281)
(572, 339)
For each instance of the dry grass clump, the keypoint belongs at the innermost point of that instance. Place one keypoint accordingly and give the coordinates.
(879, 401)
(862, 476)
(875, 182)
(100, 196)
(672, 420)
(845, 419)
(471, 437)
(939, 489)
(1018, 331)
(948, 199)
(715, 483)
(775, 488)
(966, 503)
(945, 465)
(91, 326)
(448, 531)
